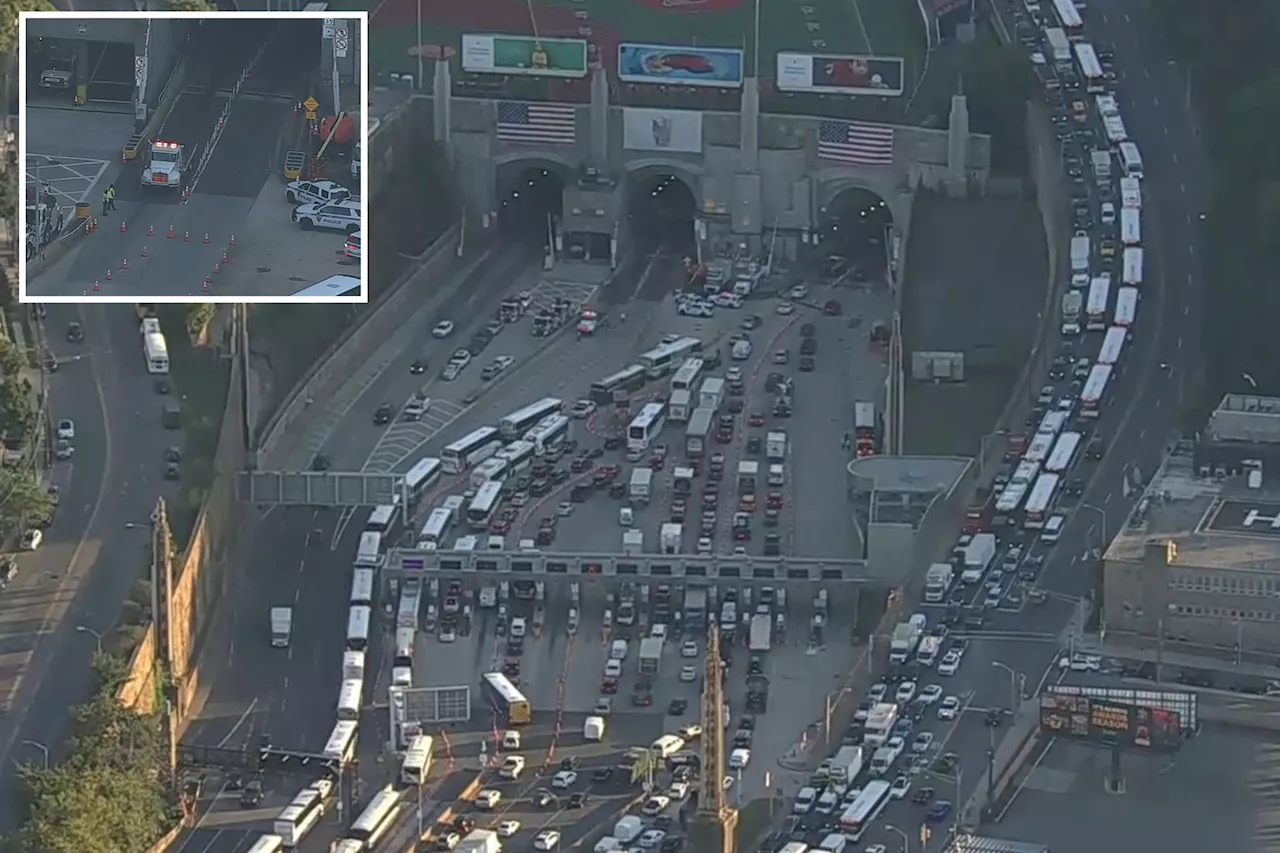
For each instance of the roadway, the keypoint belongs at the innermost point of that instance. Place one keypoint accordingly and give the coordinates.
(96, 547)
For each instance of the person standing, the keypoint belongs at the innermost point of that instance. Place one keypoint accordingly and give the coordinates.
(111, 197)
(106, 201)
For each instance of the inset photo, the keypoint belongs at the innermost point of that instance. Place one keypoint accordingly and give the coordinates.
(178, 157)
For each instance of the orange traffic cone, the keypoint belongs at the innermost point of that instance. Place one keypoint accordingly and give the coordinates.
(170, 232)
(204, 288)
(206, 237)
(108, 275)
(224, 256)
(233, 239)
(123, 226)
(151, 231)
(207, 279)
(186, 236)
(217, 268)
(124, 263)
(144, 251)
(96, 287)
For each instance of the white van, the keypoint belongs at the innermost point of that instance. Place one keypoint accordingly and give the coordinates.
(1052, 531)
(741, 350)
(352, 249)
(618, 651)
(776, 475)
(667, 746)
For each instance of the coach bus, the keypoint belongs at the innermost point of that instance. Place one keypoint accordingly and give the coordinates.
(1009, 502)
(362, 585)
(1040, 501)
(1052, 423)
(369, 550)
(646, 426)
(156, 349)
(1038, 451)
(548, 434)
(267, 844)
(1131, 267)
(377, 818)
(664, 358)
(1095, 306)
(435, 528)
(687, 375)
(297, 818)
(508, 702)
(1126, 306)
(518, 456)
(628, 379)
(342, 742)
(383, 520)
(1112, 345)
(358, 627)
(862, 812)
(1090, 69)
(484, 504)
(475, 447)
(1094, 389)
(417, 760)
(424, 474)
(1069, 17)
(349, 695)
(1064, 452)
(522, 420)
(402, 663)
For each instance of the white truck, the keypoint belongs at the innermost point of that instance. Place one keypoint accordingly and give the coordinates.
(697, 434)
(903, 642)
(164, 166)
(641, 487)
(281, 626)
(650, 655)
(927, 652)
(978, 556)
(775, 446)
(479, 841)
(937, 581)
(632, 543)
(670, 537)
(760, 635)
(1080, 253)
(748, 476)
(711, 394)
(846, 764)
(593, 729)
(680, 406)
(1101, 161)
(1072, 306)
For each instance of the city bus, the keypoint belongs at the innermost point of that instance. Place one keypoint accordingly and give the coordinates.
(1126, 306)
(862, 812)
(437, 525)
(417, 761)
(1041, 447)
(1094, 389)
(383, 519)
(628, 379)
(267, 844)
(349, 694)
(297, 818)
(1069, 17)
(1131, 159)
(156, 349)
(522, 420)
(646, 426)
(1131, 267)
(687, 375)
(484, 504)
(1064, 452)
(506, 701)
(402, 663)
(1113, 126)
(1040, 501)
(369, 550)
(424, 474)
(377, 818)
(1090, 69)
(1009, 502)
(1052, 423)
(352, 665)
(342, 742)
(664, 358)
(475, 447)
(549, 434)
(409, 605)
(362, 583)
(491, 470)
(334, 285)
(1130, 226)
(358, 627)
(1131, 192)
(1112, 345)
(1025, 473)
(1095, 306)
(518, 455)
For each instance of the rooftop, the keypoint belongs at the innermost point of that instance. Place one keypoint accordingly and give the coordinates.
(902, 488)
(1245, 417)
(1215, 523)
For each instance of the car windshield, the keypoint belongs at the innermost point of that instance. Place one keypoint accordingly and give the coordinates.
(163, 156)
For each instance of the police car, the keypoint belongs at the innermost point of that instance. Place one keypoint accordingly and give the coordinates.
(340, 216)
(316, 192)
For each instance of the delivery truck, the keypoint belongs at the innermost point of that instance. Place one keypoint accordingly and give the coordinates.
(748, 475)
(760, 635)
(977, 557)
(903, 642)
(775, 446)
(641, 487)
(1080, 253)
(680, 406)
(632, 543)
(846, 764)
(650, 655)
(711, 394)
(670, 537)
(937, 581)
(281, 626)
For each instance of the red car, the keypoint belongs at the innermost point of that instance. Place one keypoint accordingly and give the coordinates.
(756, 419)
(747, 504)
(775, 500)
(657, 463)
(500, 527)
(724, 436)
(741, 534)
(609, 686)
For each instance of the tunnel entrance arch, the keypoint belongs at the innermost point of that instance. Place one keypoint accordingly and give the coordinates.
(854, 231)
(662, 206)
(530, 197)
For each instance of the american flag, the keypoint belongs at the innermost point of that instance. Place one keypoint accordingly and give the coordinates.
(856, 143)
(523, 122)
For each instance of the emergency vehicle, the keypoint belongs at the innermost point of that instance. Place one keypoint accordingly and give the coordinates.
(588, 322)
(340, 216)
(316, 192)
(165, 162)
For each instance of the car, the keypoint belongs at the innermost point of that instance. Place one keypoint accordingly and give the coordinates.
(931, 693)
(564, 779)
(448, 840)
(678, 790)
(832, 308)
(905, 693)
(901, 785)
(676, 707)
(949, 709)
(543, 799)
(313, 192)
(786, 308)
(688, 674)
(691, 731)
(877, 692)
(547, 839)
(338, 216)
(582, 409)
(939, 811)
(443, 329)
(807, 364)
(689, 649)
(382, 415)
(923, 742)
(488, 799)
(602, 774)
(652, 838)
(655, 805)
(507, 828)
(1080, 663)
(798, 292)
(67, 430)
(75, 333)
(418, 366)
(32, 540)
(733, 374)
(739, 759)
(809, 346)
(949, 664)
(577, 800)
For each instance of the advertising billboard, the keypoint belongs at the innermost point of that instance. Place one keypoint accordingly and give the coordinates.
(840, 75)
(524, 55)
(680, 66)
(1182, 702)
(1112, 724)
(677, 131)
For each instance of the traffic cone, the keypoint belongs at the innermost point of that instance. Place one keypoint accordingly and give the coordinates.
(96, 287)
(144, 251)
(124, 263)
(204, 288)
(108, 275)
(207, 279)
(170, 232)
(151, 231)
(217, 268)
(206, 238)
(186, 236)
(233, 240)
(123, 226)
(224, 256)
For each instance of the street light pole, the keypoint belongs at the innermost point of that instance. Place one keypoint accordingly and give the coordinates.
(44, 750)
(85, 629)
(906, 839)
(1014, 699)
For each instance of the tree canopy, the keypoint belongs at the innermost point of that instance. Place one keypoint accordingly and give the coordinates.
(190, 6)
(9, 10)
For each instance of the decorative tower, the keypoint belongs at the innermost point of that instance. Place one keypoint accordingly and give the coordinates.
(714, 827)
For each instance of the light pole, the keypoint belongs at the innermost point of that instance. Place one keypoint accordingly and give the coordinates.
(906, 839)
(44, 750)
(1014, 698)
(85, 629)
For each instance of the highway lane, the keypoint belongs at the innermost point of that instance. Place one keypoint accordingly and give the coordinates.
(96, 548)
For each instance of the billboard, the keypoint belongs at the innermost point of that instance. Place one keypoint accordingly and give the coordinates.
(524, 55)
(840, 75)
(673, 131)
(1182, 702)
(1112, 724)
(680, 66)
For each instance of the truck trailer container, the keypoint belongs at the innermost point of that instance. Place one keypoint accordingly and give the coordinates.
(760, 635)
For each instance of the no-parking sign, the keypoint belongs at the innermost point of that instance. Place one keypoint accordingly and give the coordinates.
(340, 42)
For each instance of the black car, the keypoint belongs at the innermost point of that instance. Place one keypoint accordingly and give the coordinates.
(832, 308)
(975, 618)
(809, 346)
(613, 442)
(922, 796)
(418, 367)
(808, 330)
(677, 707)
(251, 795)
(807, 364)
(570, 762)
(578, 799)
(75, 333)
(382, 415)
(602, 774)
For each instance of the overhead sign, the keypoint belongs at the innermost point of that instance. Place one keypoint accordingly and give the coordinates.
(680, 66)
(674, 131)
(840, 75)
(524, 55)
(1111, 724)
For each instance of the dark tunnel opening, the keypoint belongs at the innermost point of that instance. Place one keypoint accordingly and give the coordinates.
(531, 201)
(853, 236)
(662, 209)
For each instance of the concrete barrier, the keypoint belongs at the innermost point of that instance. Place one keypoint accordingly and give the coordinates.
(167, 840)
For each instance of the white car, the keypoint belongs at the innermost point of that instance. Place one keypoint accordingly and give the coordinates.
(678, 790)
(827, 802)
(508, 828)
(785, 308)
(728, 300)
(652, 838)
(931, 693)
(502, 362)
(877, 692)
(32, 540)
(733, 374)
(949, 664)
(689, 649)
(897, 745)
(565, 509)
(488, 799)
(691, 731)
(655, 805)
(1080, 663)
(449, 840)
(905, 693)
(739, 759)
(67, 430)
(798, 292)
(443, 329)
(512, 767)
(805, 800)
(583, 409)
(695, 309)
(923, 742)
(564, 779)
(688, 674)
(315, 192)
(546, 840)
(950, 708)
(341, 216)
(901, 785)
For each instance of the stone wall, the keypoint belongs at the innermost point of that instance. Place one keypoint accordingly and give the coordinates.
(140, 689)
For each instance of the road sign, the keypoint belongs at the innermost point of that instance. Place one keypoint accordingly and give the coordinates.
(311, 115)
(340, 42)
(82, 29)
(328, 28)
(312, 105)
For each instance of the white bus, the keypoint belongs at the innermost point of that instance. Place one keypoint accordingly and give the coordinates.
(362, 584)
(1058, 45)
(156, 349)
(1069, 17)
(1131, 192)
(1040, 501)
(424, 474)
(1131, 263)
(383, 519)
(342, 742)
(267, 844)
(297, 818)
(1026, 472)
(522, 420)
(1090, 68)
(1131, 159)
(1052, 423)
(358, 627)
(1107, 105)
(417, 761)
(377, 818)
(630, 378)
(1039, 449)
(1064, 452)
(687, 375)
(369, 550)
(1095, 306)
(349, 695)
(484, 504)
(664, 358)
(1130, 226)
(1095, 387)
(402, 663)
(1126, 306)
(491, 470)
(475, 447)
(1114, 127)
(352, 665)
(437, 525)
(518, 455)
(646, 426)
(1112, 345)
(862, 812)
(348, 845)
(548, 434)
(1010, 501)
(410, 604)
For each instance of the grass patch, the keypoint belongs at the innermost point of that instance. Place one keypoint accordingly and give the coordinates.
(200, 379)
(950, 419)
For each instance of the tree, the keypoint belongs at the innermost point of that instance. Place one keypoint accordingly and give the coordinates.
(199, 316)
(9, 10)
(190, 6)
(24, 501)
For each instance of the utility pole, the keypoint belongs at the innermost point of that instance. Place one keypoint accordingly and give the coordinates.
(714, 827)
